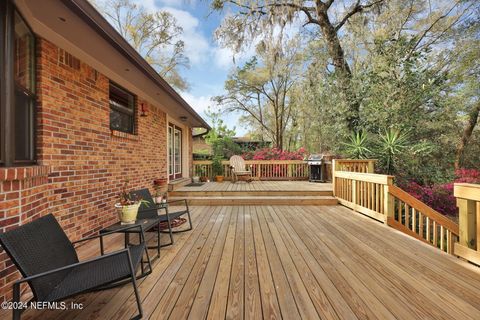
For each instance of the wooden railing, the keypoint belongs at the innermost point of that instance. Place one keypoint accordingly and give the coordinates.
(354, 165)
(375, 196)
(261, 169)
(468, 202)
(417, 219)
(363, 192)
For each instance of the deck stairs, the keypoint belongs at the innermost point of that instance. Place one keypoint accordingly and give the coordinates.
(260, 197)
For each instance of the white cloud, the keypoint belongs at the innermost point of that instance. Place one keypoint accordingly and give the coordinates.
(197, 48)
(198, 103)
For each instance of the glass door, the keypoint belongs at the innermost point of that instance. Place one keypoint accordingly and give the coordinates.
(174, 152)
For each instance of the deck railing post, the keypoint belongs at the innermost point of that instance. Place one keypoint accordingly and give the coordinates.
(371, 166)
(389, 201)
(467, 216)
(335, 167)
(468, 202)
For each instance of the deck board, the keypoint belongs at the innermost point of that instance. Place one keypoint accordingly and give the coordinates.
(291, 262)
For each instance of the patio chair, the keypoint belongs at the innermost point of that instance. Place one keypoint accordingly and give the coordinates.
(49, 263)
(150, 210)
(237, 164)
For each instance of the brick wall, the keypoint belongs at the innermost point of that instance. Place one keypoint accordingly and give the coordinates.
(83, 163)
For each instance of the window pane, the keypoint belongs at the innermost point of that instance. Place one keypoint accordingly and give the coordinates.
(23, 126)
(122, 109)
(120, 121)
(24, 48)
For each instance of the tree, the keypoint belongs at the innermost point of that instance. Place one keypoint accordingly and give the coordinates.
(220, 137)
(465, 79)
(155, 35)
(262, 87)
(254, 18)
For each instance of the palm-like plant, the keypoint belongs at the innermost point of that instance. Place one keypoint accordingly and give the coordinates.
(357, 146)
(392, 143)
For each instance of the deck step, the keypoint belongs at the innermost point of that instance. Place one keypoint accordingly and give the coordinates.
(179, 183)
(279, 193)
(259, 200)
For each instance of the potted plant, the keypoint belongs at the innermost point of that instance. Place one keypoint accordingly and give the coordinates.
(217, 168)
(127, 207)
(158, 196)
(195, 179)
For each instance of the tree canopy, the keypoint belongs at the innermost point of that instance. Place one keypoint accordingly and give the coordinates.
(383, 68)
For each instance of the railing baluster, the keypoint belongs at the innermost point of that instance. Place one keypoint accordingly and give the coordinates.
(442, 236)
(427, 222)
(420, 224)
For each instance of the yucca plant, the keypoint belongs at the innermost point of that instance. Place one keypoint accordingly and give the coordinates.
(392, 143)
(357, 146)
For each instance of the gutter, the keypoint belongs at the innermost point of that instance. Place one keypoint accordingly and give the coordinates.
(87, 12)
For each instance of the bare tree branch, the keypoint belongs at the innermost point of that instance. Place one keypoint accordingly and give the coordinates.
(355, 9)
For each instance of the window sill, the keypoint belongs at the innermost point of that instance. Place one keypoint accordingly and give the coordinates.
(124, 135)
(22, 173)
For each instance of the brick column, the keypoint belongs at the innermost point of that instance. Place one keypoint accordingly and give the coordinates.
(24, 196)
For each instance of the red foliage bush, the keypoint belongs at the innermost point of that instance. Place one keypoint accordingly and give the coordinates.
(275, 154)
(440, 197)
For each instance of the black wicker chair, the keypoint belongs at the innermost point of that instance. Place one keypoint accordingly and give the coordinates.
(49, 263)
(150, 210)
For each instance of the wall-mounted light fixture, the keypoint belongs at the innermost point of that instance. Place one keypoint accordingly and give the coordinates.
(183, 118)
(143, 110)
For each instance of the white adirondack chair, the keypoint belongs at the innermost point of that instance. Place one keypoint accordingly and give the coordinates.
(237, 164)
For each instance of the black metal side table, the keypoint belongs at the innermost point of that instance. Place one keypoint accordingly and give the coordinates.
(144, 224)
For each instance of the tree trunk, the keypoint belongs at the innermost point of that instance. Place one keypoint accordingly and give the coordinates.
(467, 133)
(341, 66)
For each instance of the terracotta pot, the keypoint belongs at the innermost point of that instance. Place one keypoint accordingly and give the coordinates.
(127, 214)
(219, 178)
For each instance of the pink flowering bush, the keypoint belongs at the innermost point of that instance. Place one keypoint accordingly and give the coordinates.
(440, 196)
(275, 154)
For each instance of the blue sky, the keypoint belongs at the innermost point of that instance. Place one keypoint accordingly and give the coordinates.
(209, 63)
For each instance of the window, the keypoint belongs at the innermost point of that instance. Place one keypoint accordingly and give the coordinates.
(17, 86)
(122, 109)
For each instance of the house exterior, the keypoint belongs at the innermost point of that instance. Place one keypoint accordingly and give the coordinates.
(81, 112)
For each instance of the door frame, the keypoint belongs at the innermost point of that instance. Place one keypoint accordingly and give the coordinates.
(171, 159)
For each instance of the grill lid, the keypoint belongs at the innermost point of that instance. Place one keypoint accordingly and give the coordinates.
(315, 159)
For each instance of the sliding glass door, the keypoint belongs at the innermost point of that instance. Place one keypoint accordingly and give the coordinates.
(174, 152)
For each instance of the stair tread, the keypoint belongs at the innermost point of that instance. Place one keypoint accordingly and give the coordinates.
(252, 197)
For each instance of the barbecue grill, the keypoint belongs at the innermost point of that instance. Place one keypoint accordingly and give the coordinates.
(317, 164)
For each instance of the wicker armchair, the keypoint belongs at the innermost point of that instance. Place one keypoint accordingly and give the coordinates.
(237, 164)
(49, 263)
(150, 210)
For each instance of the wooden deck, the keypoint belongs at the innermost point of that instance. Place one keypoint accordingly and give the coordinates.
(273, 262)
